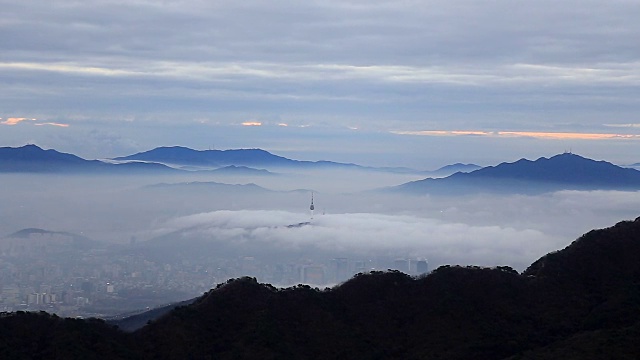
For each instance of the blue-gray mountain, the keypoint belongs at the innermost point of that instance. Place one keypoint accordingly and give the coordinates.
(33, 159)
(178, 155)
(186, 157)
(241, 170)
(561, 172)
(452, 169)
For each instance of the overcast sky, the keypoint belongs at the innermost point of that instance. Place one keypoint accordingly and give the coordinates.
(414, 83)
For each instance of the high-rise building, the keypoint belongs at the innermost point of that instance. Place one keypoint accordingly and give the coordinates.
(401, 265)
(422, 267)
(313, 274)
(340, 269)
(32, 299)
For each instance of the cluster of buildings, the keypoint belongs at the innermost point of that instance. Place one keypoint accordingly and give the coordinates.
(64, 279)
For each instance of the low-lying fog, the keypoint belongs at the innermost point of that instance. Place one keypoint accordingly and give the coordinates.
(481, 229)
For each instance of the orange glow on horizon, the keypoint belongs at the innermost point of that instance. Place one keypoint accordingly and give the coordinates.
(444, 132)
(251, 123)
(483, 133)
(532, 134)
(15, 120)
(53, 124)
(567, 135)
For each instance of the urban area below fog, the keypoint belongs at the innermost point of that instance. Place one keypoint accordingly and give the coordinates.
(107, 244)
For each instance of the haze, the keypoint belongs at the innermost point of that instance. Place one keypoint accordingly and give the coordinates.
(478, 229)
(416, 84)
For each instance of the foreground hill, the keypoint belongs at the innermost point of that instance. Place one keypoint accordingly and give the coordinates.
(561, 172)
(582, 302)
(26, 335)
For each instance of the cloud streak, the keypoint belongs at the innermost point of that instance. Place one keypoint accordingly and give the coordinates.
(620, 74)
(14, 121)
(52, 124)
(252, 123)
(529, 134)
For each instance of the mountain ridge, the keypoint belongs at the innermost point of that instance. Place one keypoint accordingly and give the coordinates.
(219, 158)
(33, 159)
(560, 172)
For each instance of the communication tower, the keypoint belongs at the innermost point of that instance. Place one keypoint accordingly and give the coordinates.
(312, 207)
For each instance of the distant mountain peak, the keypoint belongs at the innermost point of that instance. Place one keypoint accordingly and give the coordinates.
(454, 168)
(33, 159)
(24, 233)
(210, 158)
(559, 172)
(29, 232)
(567, 156)
(30, 146)
(251, 157)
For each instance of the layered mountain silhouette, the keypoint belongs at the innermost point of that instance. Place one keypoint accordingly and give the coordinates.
(212, 158)
(561, 172)
(178, 155)
(582, 302)
(241, 170)
(174, 159)
(186, 157)
(33, 159)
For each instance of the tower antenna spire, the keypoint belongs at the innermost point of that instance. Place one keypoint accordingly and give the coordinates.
(312, 207)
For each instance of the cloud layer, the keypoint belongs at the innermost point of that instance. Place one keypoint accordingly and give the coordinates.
(368, 235)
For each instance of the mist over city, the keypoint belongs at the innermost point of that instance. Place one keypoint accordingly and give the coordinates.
(173, 229)
(232, 170)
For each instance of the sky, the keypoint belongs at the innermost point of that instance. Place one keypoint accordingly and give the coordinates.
(383, 83)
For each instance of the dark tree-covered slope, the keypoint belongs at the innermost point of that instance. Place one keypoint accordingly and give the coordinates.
(26, 335)
(582, 302)
(588, 290)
